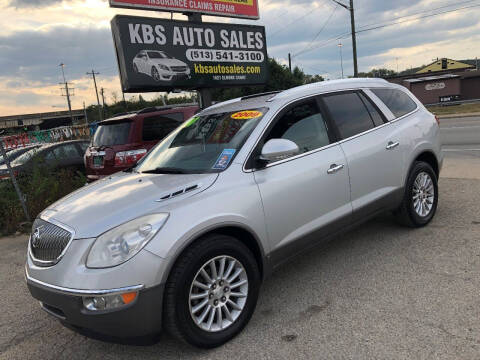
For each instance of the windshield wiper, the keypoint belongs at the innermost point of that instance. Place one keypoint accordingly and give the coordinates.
(166, 170)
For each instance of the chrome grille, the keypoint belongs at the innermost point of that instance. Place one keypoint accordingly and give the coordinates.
(179, 68)
(48, 242)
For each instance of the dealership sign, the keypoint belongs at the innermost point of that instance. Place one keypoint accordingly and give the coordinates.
(231, 8)
(160, 55)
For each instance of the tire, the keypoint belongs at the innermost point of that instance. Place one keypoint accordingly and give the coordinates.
(178, 306)
(155, 74)
(408, 213)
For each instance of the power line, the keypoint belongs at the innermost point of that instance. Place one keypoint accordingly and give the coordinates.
(345, 35)
(319, 32)
(418, 18)
(417, 13)
(309, 12)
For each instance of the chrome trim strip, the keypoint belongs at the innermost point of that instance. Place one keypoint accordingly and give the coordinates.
(81, 292)
(44, 263)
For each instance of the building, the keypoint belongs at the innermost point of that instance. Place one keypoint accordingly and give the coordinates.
(442, 86)
(41, 121)
(445, 64)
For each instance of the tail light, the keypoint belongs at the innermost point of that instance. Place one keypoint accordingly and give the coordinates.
(130, 157)
(437, 119)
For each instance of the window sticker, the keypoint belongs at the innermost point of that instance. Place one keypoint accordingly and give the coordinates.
(246, 115)
(224, 159)
(192, 121)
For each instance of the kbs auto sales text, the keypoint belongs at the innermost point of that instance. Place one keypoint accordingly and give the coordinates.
(195, 36)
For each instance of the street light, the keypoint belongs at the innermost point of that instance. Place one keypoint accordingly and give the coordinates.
(354, 38)
(340, 45)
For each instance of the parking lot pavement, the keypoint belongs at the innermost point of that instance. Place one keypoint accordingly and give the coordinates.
(381, 291)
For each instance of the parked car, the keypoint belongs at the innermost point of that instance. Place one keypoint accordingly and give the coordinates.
(68, 154)
(160, 66)
(121, 141)
(15, 153)
(184, 239)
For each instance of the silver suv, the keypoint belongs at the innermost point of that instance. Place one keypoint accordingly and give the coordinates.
(184, 239)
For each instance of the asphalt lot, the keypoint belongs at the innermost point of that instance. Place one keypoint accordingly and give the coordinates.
(381, 291)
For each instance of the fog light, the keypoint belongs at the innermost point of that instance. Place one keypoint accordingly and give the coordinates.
(109, 302)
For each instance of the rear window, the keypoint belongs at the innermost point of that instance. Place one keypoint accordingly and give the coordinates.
(396, 100)
(156, 128)
(114, 133)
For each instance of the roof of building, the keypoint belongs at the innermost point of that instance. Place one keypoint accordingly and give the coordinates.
(438, 65)
(432, 78)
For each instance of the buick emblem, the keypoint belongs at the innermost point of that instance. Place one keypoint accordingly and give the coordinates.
(36, 237)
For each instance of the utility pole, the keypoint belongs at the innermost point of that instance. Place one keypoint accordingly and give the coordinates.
(340, 45)
(290, 62)
(102, 92)
(93, 73)
(85, 113)
(354, 35)
(67, 92)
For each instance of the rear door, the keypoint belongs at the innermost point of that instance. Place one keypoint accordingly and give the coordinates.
(371, 148)
(303, 198)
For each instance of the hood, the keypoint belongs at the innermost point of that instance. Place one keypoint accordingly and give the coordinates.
(169, 62)
(107, 203)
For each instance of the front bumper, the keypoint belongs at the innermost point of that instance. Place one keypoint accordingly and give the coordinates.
(142, 317)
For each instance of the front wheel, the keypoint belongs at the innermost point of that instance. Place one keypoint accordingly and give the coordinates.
(212, 291)
(421, 196)
(155, 74)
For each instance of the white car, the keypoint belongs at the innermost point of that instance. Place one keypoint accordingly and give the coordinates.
(160, 66)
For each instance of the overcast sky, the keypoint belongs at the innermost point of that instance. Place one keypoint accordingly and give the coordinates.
(37, 35)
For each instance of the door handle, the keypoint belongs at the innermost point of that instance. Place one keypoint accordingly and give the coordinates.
(392, 145)
(335, 168)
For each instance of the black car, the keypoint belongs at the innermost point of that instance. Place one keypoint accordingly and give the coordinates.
(68, 154)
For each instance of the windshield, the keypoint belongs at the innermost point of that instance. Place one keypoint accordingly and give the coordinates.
(113, 133)
(12, 154)
(158, 55)
(203, 144)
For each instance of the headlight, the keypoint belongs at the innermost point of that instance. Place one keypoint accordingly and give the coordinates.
(122, 243)
(163, 67)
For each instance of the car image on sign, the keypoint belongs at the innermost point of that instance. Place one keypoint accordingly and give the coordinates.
(160, 66)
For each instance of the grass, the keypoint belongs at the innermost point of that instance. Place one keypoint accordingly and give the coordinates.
(455, 109)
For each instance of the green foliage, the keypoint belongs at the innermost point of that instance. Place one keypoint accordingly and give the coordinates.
(40, 188)
(377, 73)
(135, 104)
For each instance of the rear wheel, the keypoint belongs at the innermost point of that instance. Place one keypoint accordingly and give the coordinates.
(212, 291)
(421, 196)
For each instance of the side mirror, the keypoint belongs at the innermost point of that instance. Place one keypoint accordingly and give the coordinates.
(278, 149)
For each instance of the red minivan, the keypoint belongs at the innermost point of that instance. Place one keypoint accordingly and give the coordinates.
(121, 141)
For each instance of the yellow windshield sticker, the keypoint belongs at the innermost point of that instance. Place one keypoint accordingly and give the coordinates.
(246, 115)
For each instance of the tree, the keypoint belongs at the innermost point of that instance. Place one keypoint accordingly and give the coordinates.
(378, 73)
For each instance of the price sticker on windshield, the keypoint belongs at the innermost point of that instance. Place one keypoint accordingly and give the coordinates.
(224, 159)
(247, 115)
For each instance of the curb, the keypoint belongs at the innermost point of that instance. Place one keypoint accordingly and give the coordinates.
(465, 115)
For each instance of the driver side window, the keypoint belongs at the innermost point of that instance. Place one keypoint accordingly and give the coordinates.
(304, 125)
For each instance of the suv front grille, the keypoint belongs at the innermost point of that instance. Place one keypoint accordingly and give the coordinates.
(48, 242)
(179, 68)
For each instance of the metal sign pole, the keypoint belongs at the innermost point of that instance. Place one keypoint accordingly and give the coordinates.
(204, 94)
(14, 180)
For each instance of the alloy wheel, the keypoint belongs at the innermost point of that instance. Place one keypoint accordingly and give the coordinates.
(218, 293)
(423, 194)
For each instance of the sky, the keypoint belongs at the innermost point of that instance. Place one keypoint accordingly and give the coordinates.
(37, 35)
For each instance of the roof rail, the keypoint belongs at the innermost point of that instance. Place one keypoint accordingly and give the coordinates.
(260, 94)
(166, 107)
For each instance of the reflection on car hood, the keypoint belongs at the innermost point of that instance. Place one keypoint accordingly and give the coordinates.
(102, 205)
(168, 62)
